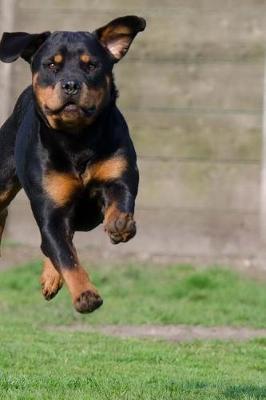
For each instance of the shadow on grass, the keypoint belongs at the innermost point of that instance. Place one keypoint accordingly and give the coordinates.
(234, 392)
(238, 391)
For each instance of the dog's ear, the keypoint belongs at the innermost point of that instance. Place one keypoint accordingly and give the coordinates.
(118, 35)
(20, 44)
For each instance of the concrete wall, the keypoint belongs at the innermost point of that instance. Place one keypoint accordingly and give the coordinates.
(191, 90)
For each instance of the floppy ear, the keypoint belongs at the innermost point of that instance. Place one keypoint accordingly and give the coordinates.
(20, 44)
(118, 35)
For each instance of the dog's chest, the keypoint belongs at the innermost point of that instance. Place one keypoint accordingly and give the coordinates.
(62, 186)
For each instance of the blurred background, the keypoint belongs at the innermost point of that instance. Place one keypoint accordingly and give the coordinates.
(191, 89)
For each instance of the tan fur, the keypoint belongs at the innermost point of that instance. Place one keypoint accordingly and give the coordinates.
(111, 213)
(61, 186)
(77, 281)
(4, 196)
(51, 98)
(58, 58)
(94, 96)
(52, 120)
(105, 170)
(110, 32)
(51, 280)
(117, 39)
(47, 96)
(85, 58)
(7, 196)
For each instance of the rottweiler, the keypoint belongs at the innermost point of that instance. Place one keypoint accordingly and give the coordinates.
(68, 146)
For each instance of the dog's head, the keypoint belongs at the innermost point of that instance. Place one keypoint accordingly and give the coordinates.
(72, 71)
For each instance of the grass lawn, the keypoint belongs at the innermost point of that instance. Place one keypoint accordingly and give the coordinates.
(41, 363)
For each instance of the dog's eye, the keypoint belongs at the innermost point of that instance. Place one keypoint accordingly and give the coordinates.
(52, 66)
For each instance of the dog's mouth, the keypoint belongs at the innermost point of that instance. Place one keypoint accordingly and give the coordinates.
(72, 109)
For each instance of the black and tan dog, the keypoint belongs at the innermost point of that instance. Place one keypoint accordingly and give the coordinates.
(67, 144)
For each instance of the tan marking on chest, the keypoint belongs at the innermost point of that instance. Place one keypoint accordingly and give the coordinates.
(61, 187)
(105, 170)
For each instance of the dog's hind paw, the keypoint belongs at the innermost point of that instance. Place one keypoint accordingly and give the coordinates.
(51, 281)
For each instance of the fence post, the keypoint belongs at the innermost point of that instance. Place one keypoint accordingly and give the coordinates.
(7, 16)
(263, 164)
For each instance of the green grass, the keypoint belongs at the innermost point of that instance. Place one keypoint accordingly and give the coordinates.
(39, 365)
(140, 295)
(38, 361)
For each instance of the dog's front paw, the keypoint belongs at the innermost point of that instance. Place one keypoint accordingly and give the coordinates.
(121, 228)
(87, 302)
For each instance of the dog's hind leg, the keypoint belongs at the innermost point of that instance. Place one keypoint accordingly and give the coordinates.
(7, 193)
(51, 280)
(3, 216)
(9, 183)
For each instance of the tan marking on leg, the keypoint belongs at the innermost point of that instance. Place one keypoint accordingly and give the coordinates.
(51, 280)
(84, 295)
(61, 187)
(111, 213)
(7, 196)
(105, 170)
(77, 281)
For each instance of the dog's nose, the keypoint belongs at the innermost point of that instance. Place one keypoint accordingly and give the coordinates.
(71, 87)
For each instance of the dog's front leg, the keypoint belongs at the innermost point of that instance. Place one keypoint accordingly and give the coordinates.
(119, 211)
(54, 225)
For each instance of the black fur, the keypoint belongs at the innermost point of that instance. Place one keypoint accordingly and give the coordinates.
(30, 147)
